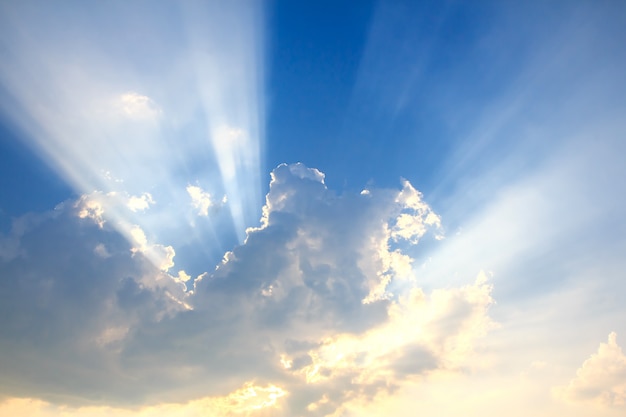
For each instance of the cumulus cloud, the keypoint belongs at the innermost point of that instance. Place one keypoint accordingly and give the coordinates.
(423, 334)
(94, 205)
(141, 202)
(91, 207)
(69, 296)
(318, 307)
(416, 216)
(118, 206)
(161, 256)
(601, 379)
(202, 200)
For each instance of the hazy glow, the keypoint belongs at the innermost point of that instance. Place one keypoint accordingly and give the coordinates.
(376, 356)
(250, 400)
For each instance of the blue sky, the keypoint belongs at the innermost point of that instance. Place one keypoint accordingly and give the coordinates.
(312, 208)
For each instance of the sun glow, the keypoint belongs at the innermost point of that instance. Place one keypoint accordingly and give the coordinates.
(248, 401)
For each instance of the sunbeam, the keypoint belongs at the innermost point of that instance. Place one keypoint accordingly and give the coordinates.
(105, 125)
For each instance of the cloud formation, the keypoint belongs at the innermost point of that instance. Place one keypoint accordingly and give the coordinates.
(319, 307)
(202, 200)
(138, 107)
(601, 379)
(186, 103)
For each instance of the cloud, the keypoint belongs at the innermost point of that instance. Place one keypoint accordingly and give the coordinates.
(161, 256)
(138, 107)
(417, 216)
(92, 208)
(249, 400)
(141, 202)
(423, 334)
(71, 292)
(601, 379)
(187, 103)
(119, 207)
(318, 307)
(202, 201)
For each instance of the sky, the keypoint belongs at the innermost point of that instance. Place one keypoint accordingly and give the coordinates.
(312, 208)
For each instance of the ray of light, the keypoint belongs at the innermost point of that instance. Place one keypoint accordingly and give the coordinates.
(144, 100)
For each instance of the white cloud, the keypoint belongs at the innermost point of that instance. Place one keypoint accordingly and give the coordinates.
(423, 334)
(138, 107)
(309, 268)
(412, 224)
(100, 208)
(91, 207)
(139, 239)
(160, 255)
(141, 202)
(601, 379)
(202, 200)
(120, 330)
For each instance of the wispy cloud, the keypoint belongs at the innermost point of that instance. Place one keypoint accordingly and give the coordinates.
(139, 107)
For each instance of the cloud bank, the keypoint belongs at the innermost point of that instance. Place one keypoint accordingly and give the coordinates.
(318, 308)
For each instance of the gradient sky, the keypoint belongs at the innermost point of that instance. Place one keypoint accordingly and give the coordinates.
(312, 208)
